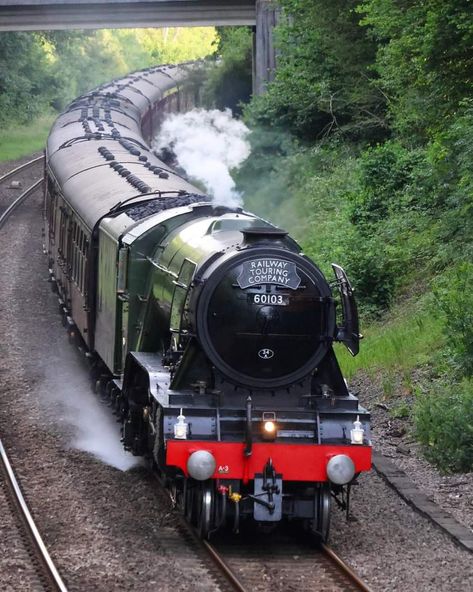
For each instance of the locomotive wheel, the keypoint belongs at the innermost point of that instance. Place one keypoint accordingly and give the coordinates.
(98, 386)
(324, 503)
(109, 389)
(115, 401)
(189, 502)
(205, 509)
(133, 436)
(199, 506)
(178, 494)
(71, 336)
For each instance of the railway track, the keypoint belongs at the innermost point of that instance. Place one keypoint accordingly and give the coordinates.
(44, 571)
(276, 563)
(23, 536)
(279, 562)
(9, 202)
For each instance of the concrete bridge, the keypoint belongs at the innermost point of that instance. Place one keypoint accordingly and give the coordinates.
(34, 15)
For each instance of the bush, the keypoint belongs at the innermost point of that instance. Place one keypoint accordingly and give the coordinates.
(444, 425)
(323, 76)
(372, 272)
(454, 295)
(424, 60)
(451, 154)
(25, 80)
(392, 178)
(394, 212)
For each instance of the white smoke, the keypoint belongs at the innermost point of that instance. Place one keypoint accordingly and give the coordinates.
(86, 421)
(207, 145)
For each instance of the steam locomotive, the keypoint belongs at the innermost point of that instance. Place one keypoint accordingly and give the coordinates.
(206, 326)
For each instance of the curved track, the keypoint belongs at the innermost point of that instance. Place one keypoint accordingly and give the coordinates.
(21, 168)
(26, 529)
(18, 172)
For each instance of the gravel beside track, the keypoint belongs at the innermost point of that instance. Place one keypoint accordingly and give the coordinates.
(110, 530)
(393, 548)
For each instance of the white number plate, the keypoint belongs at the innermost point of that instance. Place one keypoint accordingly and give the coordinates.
(269, 299)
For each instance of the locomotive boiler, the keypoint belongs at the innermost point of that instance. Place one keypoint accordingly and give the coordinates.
(208, 328)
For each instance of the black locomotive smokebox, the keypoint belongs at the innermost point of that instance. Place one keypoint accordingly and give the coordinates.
(264, 315)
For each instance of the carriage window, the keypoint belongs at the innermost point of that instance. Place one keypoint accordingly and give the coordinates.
(74, 251)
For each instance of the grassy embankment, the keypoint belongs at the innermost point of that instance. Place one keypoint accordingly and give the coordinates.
(397, 345)
(20, 140)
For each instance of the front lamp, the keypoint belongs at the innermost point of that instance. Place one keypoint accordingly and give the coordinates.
(181, 427)
(269, 426)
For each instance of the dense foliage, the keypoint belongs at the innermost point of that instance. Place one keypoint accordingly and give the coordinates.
(323, 83)
(23, 85)
(229, 84)
(39, 71)
(365, 144)
(444, 420)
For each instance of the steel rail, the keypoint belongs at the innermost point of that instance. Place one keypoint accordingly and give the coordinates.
(54, 579)
(18, 201)
(223, 567)
(345, 568)
(20, 168)
(189, 530)
(232, 578)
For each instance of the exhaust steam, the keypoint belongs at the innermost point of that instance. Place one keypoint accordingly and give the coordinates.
(207, 146)
(84, 419)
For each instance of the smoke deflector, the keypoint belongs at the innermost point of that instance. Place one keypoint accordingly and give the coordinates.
(349, 332)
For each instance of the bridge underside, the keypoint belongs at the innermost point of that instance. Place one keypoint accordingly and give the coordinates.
(29, 15)
(40, 15)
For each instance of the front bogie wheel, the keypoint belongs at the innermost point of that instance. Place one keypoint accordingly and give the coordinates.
(199, 506)
(323, 503)
(206, 504)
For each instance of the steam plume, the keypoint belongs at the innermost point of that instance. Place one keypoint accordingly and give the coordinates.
(207, 145)
(86, 422)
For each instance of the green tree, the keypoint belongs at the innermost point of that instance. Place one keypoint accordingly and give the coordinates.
(49, 69)
(24, 77)
(229, 83)
(324, 80)
(424, 59)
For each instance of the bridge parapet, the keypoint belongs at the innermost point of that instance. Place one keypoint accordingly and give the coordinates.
(37, 15)
(29, 15)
